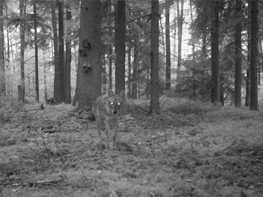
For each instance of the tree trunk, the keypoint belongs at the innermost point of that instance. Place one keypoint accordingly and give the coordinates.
(154, 102)
(36, 54)
(215, 54)
(61, 51)
(45, 76)
(259, 62)
(194, 56)
(110, 66)
(238, 55)
(247, 99)
(2, 54)
(129, 71)
(88, 86)
(180, 19)
(56, 54)
(120, 46)
(168, 48)
(68, 58)
(134, 90)
(22, 8)
(254, 56)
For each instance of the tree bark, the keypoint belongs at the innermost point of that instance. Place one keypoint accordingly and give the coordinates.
(88, 86)
(120, 46)
(36, 54)
(56, 53)
(154, 102)
(68, 57)
(254, 56)
(180, 20)
(2, 54)
(168, 47)
(247, 99)
(61, 51)
(215, 54)
(134, 85)
(238, 55)
(22, 8)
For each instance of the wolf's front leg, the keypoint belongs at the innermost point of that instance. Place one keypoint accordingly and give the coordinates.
(108, 133)
(114, 131)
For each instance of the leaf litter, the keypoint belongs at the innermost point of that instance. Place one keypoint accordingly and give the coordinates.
(201, 151)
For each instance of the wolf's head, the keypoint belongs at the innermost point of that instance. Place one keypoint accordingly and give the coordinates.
(115, 103)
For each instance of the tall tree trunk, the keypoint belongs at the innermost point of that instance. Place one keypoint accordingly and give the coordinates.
(204, 50)
(68, 57)
(174, 35)
(120, 46)
(61, 51)
(215, 53)
(259, 62)
(45, 75)
(36, 54)
(110, 66)
(134, 90)
(56, 54)
(194, 56)
(129, 70)
(254, 55)
(180, 20)
(238, 54)
(88, 86)
(2, 54)
(22, 8)
(168, 43)
(154, 102)
(248, 85)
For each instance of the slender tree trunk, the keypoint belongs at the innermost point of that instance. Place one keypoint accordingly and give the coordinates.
(36, 54)
(129, 71)
(120, 27)
(134, 91)
(61, 51)
(154, 103)
(174, 34)
(168, 47)
(260, 62)
(110, 66)
(254, 55)
(88, 86)
(22, 8)
(194, 56)
(45, 76)
(2, 54)
(248, 85)
(180, 20)
(68, 57)
(238, 55)
(56, 54)
(215, 54)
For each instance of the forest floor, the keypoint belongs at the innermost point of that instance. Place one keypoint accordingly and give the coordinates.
(191, 150)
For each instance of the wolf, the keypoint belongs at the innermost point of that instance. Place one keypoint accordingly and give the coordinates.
(108, 109)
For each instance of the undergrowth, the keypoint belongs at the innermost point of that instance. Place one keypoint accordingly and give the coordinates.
(190, 149)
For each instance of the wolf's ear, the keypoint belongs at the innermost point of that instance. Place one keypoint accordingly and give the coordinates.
(122, 94)
(110, 93)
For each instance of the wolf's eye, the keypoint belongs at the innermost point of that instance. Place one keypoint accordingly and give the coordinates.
(118, 104)
(111, 103)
